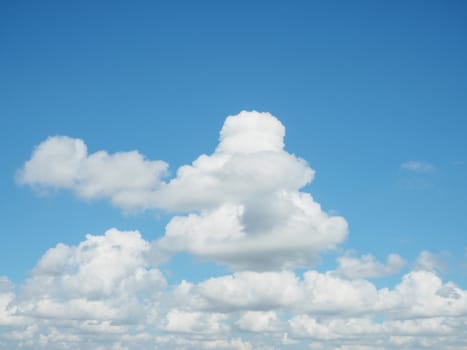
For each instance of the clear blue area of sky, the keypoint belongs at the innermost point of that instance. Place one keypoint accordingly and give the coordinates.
(361, 86)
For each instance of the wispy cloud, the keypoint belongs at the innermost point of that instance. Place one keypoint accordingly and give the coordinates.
(418, 166)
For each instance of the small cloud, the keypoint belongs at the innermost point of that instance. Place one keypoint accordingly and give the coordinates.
(428, 261)
(417, 166)
(367, 266)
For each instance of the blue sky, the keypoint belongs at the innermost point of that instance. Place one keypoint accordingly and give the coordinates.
(371, 95)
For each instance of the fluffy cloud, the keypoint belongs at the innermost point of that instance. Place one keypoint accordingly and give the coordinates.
(419, 294)
(361, 333)
(249, 162)
(194, 322)
(252, 215)
(244, 206)
(254, 238)
(367, 266)
(105, 288)
(258, 321)
(102, 278)
(7, 306)
(61, 162)
(241, 206)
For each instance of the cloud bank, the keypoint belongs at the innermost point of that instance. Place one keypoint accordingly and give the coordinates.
(243, 206)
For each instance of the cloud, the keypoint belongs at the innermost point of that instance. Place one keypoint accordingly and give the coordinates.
(92, 280)
(104, 294)
(61, 162)
(419, 294)
(258, 321)
(417, 166)
(7, 303)
(253, 237)
(252, 215)
(248, 163)
(367, 266)
(195, 322)
(244, 206)
(360, 333)
(430, 262)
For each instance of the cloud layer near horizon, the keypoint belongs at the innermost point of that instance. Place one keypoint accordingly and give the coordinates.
(104, 293)
(241, 206)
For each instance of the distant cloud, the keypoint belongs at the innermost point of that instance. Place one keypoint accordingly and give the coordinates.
(367, 266)
(430, 261)
(417, 166)
(105, 288)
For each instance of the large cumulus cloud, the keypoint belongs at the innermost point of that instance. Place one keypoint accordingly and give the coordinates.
(242, 205)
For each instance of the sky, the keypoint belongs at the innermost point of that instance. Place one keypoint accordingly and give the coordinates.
(233, 175)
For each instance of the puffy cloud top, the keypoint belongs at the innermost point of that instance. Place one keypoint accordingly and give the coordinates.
(250, 132)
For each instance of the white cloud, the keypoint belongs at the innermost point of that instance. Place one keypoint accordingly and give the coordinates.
(240, 206)
(245, 208)
(252, 215)
(251, 132)
(419, 294)
(254, 237)
(7, 303)
(195, 322)
(429, 261)
(61, 162)
(105, 289)
(248, 163)
(102, 278)
(242, 291)
(184, 343)
(367, 331)
(417, 166)
(258, 321)
(367, 266)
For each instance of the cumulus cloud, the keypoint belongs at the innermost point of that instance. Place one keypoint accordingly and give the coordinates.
(419, 294)
(245, 237)
(417, 166)
(258, 321)
(243, 206)
(430, 261)
(61, 162)
(252, 215)
(90, 281)
(367, 266)
(105, 288)
(7, 303)
(194, 322)
(360, 333)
